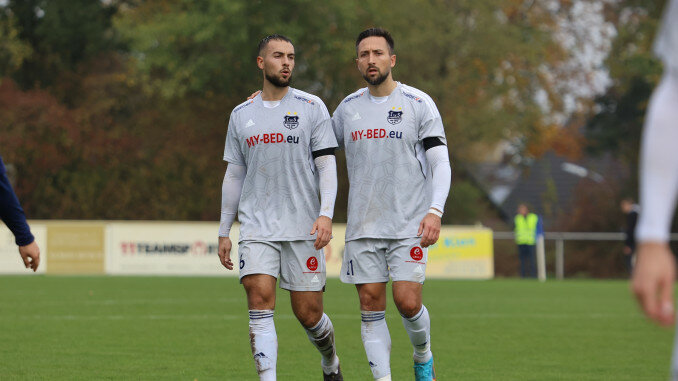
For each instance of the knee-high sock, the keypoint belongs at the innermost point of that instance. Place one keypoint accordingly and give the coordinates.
(377, 342)
(418, 327)
(322, 336)
(264, 342)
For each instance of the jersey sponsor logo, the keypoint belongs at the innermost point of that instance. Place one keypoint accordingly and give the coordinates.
(395, 116)
(352, 97)
(291, 121)
(297, 97)
(416, 98)
(375, 133)
(272, 138)
(417, 253)
(243, 106)
(197, 248)
(312, 263)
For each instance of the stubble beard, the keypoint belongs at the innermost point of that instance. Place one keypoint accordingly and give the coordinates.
(277, 81)
(377, 80)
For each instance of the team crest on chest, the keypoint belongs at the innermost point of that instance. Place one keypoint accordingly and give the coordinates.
(291, 120)
(395, 116)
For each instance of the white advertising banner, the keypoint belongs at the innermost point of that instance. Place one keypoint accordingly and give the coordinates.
(166, 248)
(10, 260)
(191, 248)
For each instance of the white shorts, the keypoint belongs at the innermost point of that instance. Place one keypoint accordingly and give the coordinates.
(298, 265)
(371, 260)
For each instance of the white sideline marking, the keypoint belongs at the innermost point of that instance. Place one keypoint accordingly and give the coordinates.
(158, 317)
(332, 316)
(129, 301)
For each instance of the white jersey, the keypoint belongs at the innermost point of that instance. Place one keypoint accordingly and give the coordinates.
(666, 45)
(389, 193)
(279, 200)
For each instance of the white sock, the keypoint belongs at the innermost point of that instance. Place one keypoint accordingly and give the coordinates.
(418, 327)
(264, 343)
(377, 342)
(322, 336)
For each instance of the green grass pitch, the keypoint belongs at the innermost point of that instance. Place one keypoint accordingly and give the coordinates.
(177, 328)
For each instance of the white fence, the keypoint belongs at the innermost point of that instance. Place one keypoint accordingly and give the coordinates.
(560, 237)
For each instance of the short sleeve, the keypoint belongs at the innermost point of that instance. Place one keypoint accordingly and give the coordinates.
(232, 151)
(322, 135)
(338, 127)
(430, 122)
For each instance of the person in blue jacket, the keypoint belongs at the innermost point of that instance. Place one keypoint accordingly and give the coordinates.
(13, 216)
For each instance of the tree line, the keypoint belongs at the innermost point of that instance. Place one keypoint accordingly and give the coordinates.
(118, 109)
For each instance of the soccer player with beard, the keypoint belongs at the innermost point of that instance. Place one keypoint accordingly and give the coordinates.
(280, 153)
(654, 274)
(399, 174)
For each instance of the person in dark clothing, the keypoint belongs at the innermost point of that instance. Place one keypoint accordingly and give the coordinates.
(13, 216)
(631, 210)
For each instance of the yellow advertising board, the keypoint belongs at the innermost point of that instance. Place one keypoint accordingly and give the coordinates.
(334, 251)
(460, 253)
(76, 247)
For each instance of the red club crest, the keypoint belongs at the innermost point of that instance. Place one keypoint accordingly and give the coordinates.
(417, 253)
(312, 263)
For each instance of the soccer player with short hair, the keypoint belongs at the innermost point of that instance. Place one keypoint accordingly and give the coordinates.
(654, 274)
(280, 153)
(399, 174)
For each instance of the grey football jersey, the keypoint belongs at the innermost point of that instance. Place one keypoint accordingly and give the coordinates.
(389, 193)
(279, 200)
(666, 46)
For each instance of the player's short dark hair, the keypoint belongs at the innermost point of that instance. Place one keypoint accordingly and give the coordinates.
(376, 32)
(278, 37)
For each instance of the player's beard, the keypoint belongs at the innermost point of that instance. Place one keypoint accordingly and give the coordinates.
(379, 79)
(278, 81)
